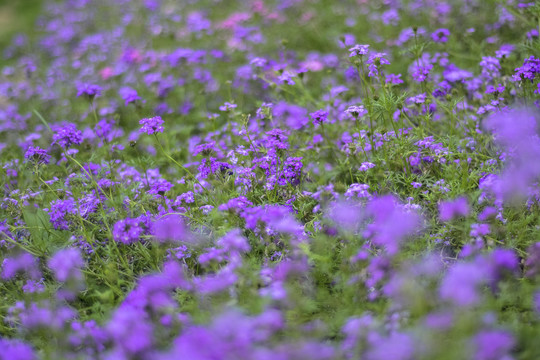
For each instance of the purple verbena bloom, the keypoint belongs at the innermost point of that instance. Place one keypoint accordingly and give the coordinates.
(397, 346)
(461, 283)
(13, 349)
(234, 241)
(440, 35)
(346, 214)
(127, 231)
(356, 111)
(37, 155)
(366, 166)
(490, 89)
(374, 62)
(516, 131)
(129, 95)
(66, 264)
(358, 191)
(394, 79)
(24, 262)
(131, 331)
(227, 106)
(60, 213)
(493, 345)
(449, 210)
(151, 125)
(391, 223)
(490, 67)
(33, 287)
(171, 228)
(319, 116)
(359, 50)
(67, 135)
(88, 90)
(479, 230)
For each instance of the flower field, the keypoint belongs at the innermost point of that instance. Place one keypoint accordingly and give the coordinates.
(271, 180)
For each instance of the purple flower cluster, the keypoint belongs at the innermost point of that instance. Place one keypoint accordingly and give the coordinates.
(89, 90)
(37, 155)
(312, 198)
(151, 125)
(67, 135)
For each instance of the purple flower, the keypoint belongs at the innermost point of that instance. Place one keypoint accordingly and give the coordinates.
(15, 350)
(490, 67)
(418, 99)
(359, 50)
(171, 228)
(391, 223)
(516, 132)
(287, 78)
(461, 283)
(449, 210)
(66, 264)
(151, 125)
(24, 262)
(366, 166)
(88, 90)
(60, 213)
(529, 70)
(374, 62)
(358, 191)
(227, 106)
(37, 155)
(479, 230)
(490, 89)
(393, 79)
(356, 111)
(346, 214)
(129, 95)
(420, 73)
(33, 287)
(319, 116)
(131, 331)
(159, 187)
(440, 35)
(67, 135)
(233, 241)
(127, 231)
(397, 346)
(493, 345)
(205, 149)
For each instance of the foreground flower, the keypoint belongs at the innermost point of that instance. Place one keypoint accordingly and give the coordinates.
(452, 209)
(440, 35)
(151, 125)
(66, 264)
(356, 111)
(37, 155)
(358, 50)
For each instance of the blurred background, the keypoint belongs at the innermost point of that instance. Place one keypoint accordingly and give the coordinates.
(16, 16)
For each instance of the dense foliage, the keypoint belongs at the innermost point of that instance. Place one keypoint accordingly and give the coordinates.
(278, 179)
